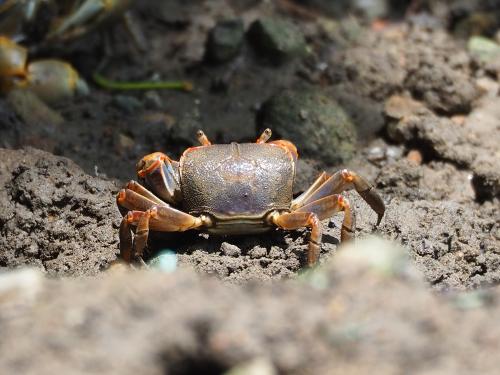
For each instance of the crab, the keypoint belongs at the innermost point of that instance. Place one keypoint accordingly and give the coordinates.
(57, 20)
(231, 189)
(51, 79)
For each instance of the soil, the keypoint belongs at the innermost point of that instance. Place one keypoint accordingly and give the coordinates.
(428, 121)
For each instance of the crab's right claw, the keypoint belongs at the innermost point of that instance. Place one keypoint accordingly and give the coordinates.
(374, 200)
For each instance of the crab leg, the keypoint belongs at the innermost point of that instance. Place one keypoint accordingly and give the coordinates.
(131, 249)
(131, 200)
(296, 220)
(139, 189)
(327, 206)
(299, 201)
(165, 219)
(342, 181)
(126, 240)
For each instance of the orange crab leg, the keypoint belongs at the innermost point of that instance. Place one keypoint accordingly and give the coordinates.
(299, 201)
(296, 220)
(327, 206)
(342, 181)
(131, 200)
(165, 219)
(141, 190)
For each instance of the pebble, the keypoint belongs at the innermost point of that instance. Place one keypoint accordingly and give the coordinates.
(314, 122)
(152, 100)
(225, 40)
(484, 49)
(230, 249)
(127, 103)
(165, 261)
(258, 252)
(277, 40)
(415, 157)
(275, 252)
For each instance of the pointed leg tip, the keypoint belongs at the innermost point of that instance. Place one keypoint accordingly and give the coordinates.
(379, 219)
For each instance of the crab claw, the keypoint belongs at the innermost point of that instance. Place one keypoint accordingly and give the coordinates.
(161, 175)
(374, 201)
(54, 80)
(367, 192)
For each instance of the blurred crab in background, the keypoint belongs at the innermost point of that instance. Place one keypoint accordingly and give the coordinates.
(56, 20)
(42, 22)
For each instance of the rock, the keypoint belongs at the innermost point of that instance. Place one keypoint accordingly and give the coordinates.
(230, 249)
(438, 137)
(486, 179)
(152, 100)
(316, 124)
(257, 366)
(55, 217)
(483, 48)
(375, 255)
(415, 157)
(32, 109)
(275, 253)
(165, 261)
(442, 87)
(127, 103)
(277, 40)
(225, 41)
(257, 252)
(398, 106)
(374, 72)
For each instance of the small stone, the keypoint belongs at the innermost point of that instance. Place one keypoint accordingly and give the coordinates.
(398, 106)
(275, 252)
(165, 261)
(326, 133)
(230, 249)
(394, 152)
(484, 49)
(32, 109)
(376, 154)
(225, 40)
(152, 100)
(377, 256)
(257, 366)
(277, 40)
(127, 103)
(126, 142)
(258, 252)
(415, 157)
